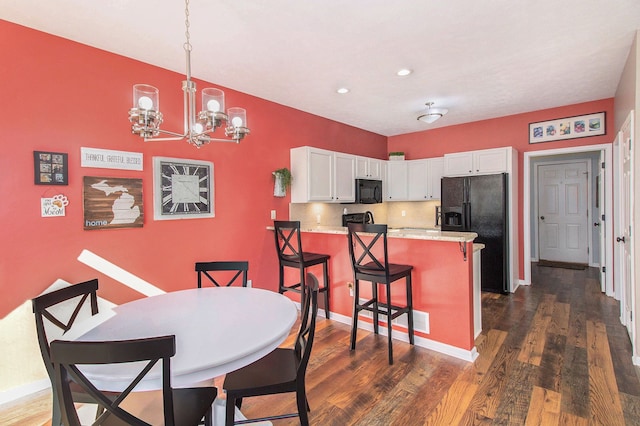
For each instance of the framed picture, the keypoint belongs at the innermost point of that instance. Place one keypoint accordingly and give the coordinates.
(50, 168)
(580, 126)
(112, 203)
(182, 189)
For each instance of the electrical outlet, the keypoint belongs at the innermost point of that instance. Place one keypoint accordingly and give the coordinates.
(249, 283)
(273, 214)
(318, 219)
(350, 286)
(404, 213)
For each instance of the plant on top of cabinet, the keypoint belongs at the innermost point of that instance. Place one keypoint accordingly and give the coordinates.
(396, 155)
(282, 180)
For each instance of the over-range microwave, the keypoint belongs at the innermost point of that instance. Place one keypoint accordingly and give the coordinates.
(368, 191)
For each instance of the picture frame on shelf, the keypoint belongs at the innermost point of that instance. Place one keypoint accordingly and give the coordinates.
(50, 168)
(182, 189)
(579, 126)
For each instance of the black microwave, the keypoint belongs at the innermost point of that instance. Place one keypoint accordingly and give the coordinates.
(368, 191)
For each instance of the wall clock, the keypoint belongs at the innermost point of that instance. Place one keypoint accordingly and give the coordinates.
(182, 189)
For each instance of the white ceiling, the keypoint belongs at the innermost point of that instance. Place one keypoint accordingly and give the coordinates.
(478, 58)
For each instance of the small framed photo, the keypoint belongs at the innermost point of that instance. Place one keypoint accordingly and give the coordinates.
(50, 168)
(580, 126)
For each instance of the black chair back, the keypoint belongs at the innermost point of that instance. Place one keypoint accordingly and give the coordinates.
(304, 340)
(212, 271)
(368, 249)
(288, 241)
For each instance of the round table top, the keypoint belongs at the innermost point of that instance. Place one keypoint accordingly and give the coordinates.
(217, 329)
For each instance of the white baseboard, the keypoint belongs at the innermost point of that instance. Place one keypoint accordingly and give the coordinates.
(465, 355)
(22, 391)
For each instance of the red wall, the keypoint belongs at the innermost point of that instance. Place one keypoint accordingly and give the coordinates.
(512, 131)
(57, 95)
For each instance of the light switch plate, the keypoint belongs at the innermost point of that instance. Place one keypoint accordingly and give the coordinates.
(273, 214)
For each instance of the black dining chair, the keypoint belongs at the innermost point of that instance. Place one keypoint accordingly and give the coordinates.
(370, 262)
(182, 407)
(75, 297)
(291, 255)
(221, 273)
(281, 371)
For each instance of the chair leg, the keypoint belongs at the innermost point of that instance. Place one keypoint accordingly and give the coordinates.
(281, 288)
(410, 313)
(389, 328)
(374, 292)
(208, 417)
(301, 400)
(230, 411)
(354, 321)
(325, 270)
(56, 416)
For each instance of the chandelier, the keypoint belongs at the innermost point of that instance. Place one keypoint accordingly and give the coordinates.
(432, 114)
(145, 116)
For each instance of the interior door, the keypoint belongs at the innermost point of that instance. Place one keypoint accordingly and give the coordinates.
(600, 223)
(626, 218)
(563, 212)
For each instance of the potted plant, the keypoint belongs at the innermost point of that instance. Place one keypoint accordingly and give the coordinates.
(282, 180)
(397, 155)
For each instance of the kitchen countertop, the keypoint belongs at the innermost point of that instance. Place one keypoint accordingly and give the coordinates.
(434, 234)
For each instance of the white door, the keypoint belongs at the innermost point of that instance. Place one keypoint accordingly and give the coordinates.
(562, 212)
(597, 221)
(626, 217)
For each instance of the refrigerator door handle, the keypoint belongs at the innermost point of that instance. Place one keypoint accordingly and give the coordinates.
(467, 216)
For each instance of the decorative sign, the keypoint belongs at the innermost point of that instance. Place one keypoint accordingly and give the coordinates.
(580, 126)
(54, 206)
(109, 159)
(112, 203)
(182, 189)
(50, 168)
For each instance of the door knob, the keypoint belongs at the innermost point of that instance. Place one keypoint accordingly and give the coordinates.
(541, 217)
(620, 239)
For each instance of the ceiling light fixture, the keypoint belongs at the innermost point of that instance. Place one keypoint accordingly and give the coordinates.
(342, 90)
(404, 72)
(145, 116)
(432, 114)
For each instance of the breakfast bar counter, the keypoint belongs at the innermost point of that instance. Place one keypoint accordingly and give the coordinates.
(445, 278)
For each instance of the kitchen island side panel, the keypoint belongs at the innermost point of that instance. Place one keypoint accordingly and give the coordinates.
(442, 282)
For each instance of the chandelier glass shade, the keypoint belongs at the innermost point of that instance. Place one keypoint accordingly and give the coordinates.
(146, 118)
(432, 114)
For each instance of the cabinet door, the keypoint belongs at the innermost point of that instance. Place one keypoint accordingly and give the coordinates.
(417, 180)
(458, 164)
(396, 181)
(345, 185)
(375, 168)
(320, 175)
(490, 161)
(436, 169)
(362, 167)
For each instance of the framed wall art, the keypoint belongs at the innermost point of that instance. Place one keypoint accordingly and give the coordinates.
(580, 126)
(182, 189)
(50, 168)
(112, 203)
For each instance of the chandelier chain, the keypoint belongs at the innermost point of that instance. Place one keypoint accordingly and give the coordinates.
(187, 45)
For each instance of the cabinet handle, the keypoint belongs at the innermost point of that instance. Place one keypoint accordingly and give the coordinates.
(620, 239)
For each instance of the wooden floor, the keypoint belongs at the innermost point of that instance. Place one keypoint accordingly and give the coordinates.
(553, 353)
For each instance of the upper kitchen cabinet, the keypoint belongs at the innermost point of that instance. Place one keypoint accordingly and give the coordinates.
(397, 179)
(369, 168)
(321, 175)
(486, 161)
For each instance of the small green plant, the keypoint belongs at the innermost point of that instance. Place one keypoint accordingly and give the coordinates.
(396, 153)
(285, 176)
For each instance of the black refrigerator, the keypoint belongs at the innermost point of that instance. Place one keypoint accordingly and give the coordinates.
(479, 204)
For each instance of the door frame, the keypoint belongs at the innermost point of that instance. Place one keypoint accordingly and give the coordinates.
(535, 195)
(606, 251)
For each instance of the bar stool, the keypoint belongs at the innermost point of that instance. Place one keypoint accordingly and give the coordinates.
(290, 254)
(365, 241)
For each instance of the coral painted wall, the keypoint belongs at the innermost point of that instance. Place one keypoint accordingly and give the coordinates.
(57, 95)
(512, 131)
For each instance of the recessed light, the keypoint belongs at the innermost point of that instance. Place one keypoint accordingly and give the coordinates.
(342, 90)
(404, 72)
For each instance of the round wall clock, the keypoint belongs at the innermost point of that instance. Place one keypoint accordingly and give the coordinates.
(182, 189)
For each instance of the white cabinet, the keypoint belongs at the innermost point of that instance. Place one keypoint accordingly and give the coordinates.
(485, 161)
(396, 181)
(436, 169)
(321, 175)
(368, 168)
(423, 179)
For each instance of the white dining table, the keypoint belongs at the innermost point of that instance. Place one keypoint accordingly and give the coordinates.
(217, 329)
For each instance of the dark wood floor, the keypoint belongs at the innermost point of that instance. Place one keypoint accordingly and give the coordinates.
(553, 353)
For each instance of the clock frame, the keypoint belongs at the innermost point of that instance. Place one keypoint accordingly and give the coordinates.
(182, 189)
